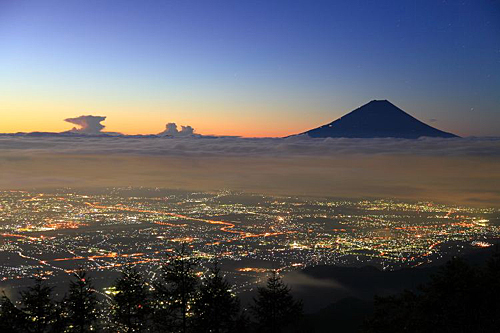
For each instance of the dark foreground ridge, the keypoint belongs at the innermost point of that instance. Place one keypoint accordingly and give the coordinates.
(377, 119)
(462, 295)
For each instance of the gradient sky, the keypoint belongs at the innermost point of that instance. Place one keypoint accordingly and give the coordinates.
(251, 68)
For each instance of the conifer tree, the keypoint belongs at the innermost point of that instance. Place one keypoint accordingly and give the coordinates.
(81, 304)
(459, 298)
(446, 299)
(131, 303)
(11, 318)
(175, 293)
(490, 292)
(274, 307)
(216, 309)
(38, 307)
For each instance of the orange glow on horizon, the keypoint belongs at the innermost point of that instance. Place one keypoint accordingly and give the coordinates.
(243, 130)
(32, 115)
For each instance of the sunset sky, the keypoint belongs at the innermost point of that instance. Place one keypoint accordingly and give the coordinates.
(250, 68)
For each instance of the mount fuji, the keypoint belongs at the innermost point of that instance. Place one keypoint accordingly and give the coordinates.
(377, 119)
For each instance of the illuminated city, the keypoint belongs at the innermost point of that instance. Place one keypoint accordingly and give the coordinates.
(53, 233)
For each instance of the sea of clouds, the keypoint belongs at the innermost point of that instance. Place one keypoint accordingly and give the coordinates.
(457, 170)
(261, 147)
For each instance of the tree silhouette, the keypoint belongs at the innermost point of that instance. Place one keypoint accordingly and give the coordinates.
(39, 309)
(11, 318)
(274, 307)
(131, 303)
(81, 304)
(216, 309)
(489, 290)
(175, 293)
(459, 298)
(446, 300)
(398, 313)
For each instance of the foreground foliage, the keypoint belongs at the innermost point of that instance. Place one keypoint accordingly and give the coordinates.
(179, 302)
(275, 308)
(460, 298)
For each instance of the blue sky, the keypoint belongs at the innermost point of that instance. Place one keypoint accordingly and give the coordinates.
(253, 68)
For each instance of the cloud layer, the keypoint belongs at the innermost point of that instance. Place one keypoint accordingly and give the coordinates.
(200, 146)
(462, 170)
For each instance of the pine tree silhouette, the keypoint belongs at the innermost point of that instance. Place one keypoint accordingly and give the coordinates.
(460, 298)
(274, 307)
(131, 303)
(11, 318)
(397, 313)
(216, 309)
(446, 300)
(490, 290)
(39, 309)
(81, 304)
(175, 293)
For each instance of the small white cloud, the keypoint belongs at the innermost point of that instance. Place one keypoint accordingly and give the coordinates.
(88, 124)
(171, 130)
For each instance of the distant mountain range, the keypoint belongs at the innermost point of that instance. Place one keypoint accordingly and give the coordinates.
(377, 119)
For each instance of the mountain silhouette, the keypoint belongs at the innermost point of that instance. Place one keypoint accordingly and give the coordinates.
(377, 119)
